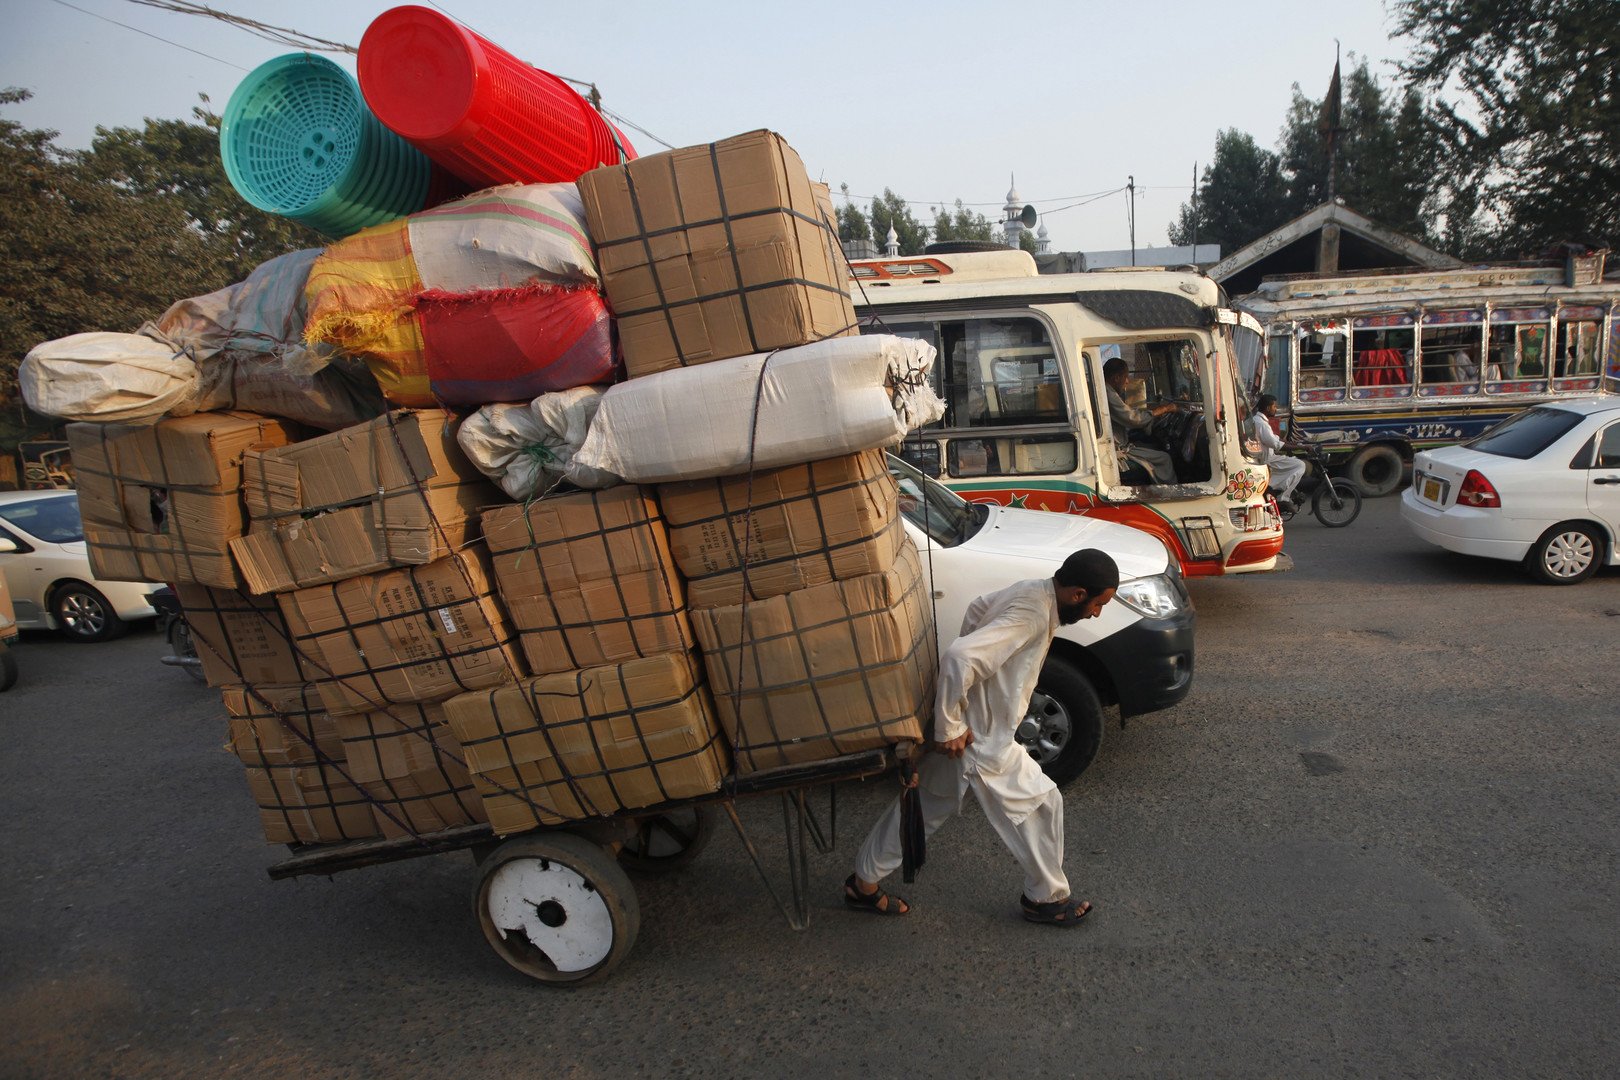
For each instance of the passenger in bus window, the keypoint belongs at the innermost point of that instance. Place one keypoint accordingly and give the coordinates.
(1463, 368)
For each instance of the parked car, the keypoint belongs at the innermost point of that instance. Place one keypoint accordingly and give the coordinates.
(1542, 488)
(1138, 654)
(43, 557)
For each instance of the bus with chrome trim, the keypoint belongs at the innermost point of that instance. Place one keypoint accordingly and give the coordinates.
(1376, 365)
(1028, 421)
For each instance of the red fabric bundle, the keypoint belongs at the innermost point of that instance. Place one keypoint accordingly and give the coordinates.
(514, 344)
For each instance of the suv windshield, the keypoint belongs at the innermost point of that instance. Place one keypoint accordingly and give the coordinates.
(945, 516)
(1527, 434)
(53, 518)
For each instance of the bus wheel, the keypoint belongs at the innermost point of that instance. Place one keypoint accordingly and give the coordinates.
(1377, 470)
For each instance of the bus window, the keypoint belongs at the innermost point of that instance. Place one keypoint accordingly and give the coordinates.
(1381, 356)
(1449, 346)
(1023, 455)
(1322, 363)
(1577, 352)
(1278, 356)
(1518, 345)
(999, 372)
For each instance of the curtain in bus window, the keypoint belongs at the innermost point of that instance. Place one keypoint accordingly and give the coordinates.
(1518, 344)
(1381, 351)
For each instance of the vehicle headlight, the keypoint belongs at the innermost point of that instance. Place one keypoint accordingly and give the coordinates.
(1155, 597)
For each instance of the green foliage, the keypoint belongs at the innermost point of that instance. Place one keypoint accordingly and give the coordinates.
(107, 238)
(1027, 241)
(1529, 149)
(960, 223)
(891, 211)
(1241, 196)
(852, 223)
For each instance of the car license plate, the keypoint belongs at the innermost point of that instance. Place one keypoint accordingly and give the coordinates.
(1432, 489)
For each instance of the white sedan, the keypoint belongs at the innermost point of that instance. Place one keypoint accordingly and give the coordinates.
(1542, 488)
(43, 558)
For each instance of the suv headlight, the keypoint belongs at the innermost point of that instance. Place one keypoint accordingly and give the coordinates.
(1155, 597)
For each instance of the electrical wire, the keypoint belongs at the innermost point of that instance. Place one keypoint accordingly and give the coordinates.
(154, 37)
(279, 35)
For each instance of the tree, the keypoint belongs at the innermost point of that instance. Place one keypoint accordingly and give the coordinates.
(1241, 196)
(960, 223)
(852, 223)
(1529, 150)
(891, 211)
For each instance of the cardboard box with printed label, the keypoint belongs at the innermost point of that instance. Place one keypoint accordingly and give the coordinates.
(394, 491)
(293, 760)
(825, 671)
(583, 744)
(242, 639)
(801, 526)
(162, 502)
(416, 634)
(587, 579)
(716, 251)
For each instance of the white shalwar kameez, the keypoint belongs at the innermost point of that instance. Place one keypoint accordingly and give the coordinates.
(986, 678)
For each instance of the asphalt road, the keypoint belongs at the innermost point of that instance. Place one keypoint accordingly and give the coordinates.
(1379, 840)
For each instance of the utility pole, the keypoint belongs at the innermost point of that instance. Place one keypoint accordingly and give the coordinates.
(1195, 214)
(1130, 213)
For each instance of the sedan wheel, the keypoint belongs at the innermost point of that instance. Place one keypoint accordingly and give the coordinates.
(1565, 554)
(83, 614)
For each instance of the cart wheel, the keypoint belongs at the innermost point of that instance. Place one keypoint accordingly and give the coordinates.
(668, 841)
(557, 907)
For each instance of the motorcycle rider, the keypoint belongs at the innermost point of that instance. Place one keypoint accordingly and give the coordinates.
(1286, 472)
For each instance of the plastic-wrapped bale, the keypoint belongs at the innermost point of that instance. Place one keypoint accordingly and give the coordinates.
(831, 670)
(109, 378)
(528, 449)
(834, 397)
(488, 298)
(588, 579)
(792, 528)
(590, 743)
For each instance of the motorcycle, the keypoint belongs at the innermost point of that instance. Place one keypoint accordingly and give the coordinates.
(1334, 501)
(172, 624)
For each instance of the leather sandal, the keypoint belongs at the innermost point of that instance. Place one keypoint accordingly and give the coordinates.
(1066, 912)
(873, 902)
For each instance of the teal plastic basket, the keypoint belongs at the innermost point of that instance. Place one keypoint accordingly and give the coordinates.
(297, 140)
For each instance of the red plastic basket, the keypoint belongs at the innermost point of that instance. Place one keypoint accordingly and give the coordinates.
(473, 107)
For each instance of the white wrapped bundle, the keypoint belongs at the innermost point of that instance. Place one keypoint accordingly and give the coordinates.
(527, 448)
(816, 401)
(108, 378)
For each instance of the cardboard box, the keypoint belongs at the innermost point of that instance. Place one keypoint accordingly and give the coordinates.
(408, 760)
(801, 526)
(417, 634)
(242, 639)
(588, 579)
(830, 670)
(589, 743)
(294, 766)
(162, 502)
(717, 251)
(394, 491)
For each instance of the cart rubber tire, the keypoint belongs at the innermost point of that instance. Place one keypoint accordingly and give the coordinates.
(669, 841)
(1377, 470)
(1070, 715)
(82, 614)
(557, 907)
(8, 667)
(1567, 554)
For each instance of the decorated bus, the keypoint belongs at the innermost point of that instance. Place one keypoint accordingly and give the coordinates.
(1029, 418)
(1377, 365)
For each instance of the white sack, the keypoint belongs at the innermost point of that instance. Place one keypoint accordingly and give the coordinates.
(528, 448)
(108, 378)
(833, 397)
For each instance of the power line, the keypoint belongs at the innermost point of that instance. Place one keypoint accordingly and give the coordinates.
(279, 35)
(154, 37)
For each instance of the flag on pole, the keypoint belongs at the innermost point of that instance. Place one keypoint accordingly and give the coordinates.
(1328, 122)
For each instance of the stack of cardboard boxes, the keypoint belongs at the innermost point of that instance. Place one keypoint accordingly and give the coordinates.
(402, 650)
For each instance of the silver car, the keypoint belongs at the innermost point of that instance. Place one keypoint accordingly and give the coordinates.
(47, 568)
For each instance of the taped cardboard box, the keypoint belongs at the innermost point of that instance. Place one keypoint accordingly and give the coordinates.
(830, 670)
(162, 502)
(589, 743)
(242, 639)
(588, 579)
(716, 251)
(417, 634)
(801, 526)
(395, 491)
(293, 762)
(408, 760)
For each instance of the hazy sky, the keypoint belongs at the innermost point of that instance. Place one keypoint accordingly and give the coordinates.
(938, 101)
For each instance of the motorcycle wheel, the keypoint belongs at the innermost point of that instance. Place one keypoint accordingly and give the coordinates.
(1336, 503)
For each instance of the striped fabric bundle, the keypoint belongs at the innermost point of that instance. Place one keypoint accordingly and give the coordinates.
(489, 298)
